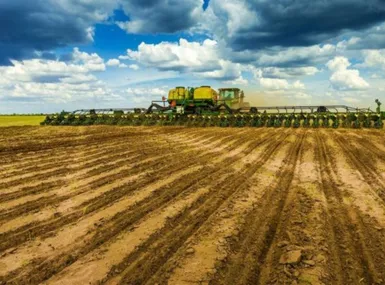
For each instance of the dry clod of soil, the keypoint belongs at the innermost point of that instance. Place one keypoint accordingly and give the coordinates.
(309, 262)
(291, 257)
(190, 250)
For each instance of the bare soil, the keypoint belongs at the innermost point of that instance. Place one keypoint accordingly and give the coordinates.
(175, 205)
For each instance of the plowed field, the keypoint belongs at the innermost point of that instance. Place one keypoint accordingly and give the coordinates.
(152, 205)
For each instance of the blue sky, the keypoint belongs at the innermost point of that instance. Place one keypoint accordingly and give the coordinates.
(73, 54)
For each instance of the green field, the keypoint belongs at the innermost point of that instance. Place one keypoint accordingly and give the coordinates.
(20, 120)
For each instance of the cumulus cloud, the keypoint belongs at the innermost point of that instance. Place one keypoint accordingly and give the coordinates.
(279, 84)
(53, 80)
(299, 56)
(343, 78)
(146, 94)
(92, 62)
(147, 91)
(276, 82)
(289, 72)
(239, 81)
(113, 62)
(374, 58)
(201, 59)
(134, 66)
(160, 16)
(185, 55)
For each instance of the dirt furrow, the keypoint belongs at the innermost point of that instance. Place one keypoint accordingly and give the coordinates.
(354, 262)
(177, 230)
(74, 160)
(297, 253)
(41, 162)
(147, 204)
(196, 260)
(248, 254)
(364, 164)
(37, 202)
(95, 170)
(90, 183)
(28, 159)
(32, 230)
(55, 144)
(175, 205)
(99, 158)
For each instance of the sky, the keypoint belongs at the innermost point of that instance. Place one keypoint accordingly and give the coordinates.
(72, 54)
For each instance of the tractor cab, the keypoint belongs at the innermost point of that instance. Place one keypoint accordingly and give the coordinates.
(232, 97)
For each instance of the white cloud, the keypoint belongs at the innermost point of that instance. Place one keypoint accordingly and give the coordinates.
(289, 97)
(147, 91)
(200, 59)
(113, 62)
(55, 81)
(92, 62)
(173, 56)
(374, 58)
(285, 72)
(301, 95)
(375, 76)
(134, 66)
(296, 54)
(339, 63)
(298, 85)
(146, 94)
(350, 100)
(227, 71)
(79, 78)
(226, 18)
(343, 78)
(239, 81)
(274, 83)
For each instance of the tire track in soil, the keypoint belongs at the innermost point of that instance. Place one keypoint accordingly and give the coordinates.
(302, 227)
(34, 155)
(76, 234)
(370, 146)
(41, 160)
(69, 157)
(40, 202)
(104, 180)
(260, 228)
(32, 190)
(210, 242)
(139, 266)
(124, 134)
(364, 165)
(130, 216)
(105, 151)
(85, 175)
(56, 144)
(54, 199)
(352, 260)
(83, 155)
(33, 230)
(88, 163)
(89, 142)
(111, 145)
